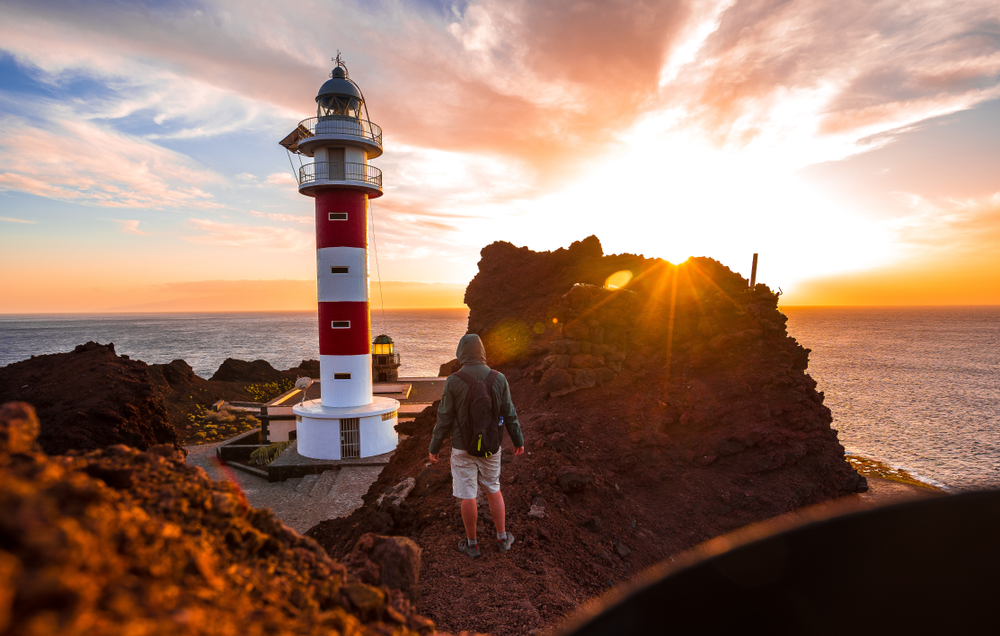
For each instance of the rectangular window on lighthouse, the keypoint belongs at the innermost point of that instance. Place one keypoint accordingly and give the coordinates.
(340, 324)
(341, 376)
(339, 270)
(338, 216)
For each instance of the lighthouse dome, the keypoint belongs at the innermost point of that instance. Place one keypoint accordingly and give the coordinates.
(338, 96)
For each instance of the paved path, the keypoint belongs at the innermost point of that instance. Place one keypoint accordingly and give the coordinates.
(301, 502)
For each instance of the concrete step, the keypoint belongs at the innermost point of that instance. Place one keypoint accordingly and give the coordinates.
(292, 483)
(307, 484)
(352, 483)
(326, 481)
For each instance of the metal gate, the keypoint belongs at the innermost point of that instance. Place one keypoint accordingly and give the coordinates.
(350, 438)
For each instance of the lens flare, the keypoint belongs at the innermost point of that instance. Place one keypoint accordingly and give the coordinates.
(508, 341)
(618, 280)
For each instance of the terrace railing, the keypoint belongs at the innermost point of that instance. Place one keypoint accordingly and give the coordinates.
(347, 126)
(340, 171)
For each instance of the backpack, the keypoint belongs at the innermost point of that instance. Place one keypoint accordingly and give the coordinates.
(481, 435)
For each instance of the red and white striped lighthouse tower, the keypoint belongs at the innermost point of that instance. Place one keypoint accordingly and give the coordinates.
(348, 420)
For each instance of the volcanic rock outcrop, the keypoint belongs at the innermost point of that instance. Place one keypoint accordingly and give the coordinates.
(658, 412)
(233, 370)
(118, 541)
(89, 398)
(92, 398)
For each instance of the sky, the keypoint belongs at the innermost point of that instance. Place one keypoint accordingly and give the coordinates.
(855, 145)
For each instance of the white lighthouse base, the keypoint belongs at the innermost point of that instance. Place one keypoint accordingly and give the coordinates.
(346, 432)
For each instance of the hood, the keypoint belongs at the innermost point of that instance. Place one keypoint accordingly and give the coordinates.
(471, 350)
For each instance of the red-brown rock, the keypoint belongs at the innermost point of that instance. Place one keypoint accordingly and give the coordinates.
(233, 370)
(449, 367)
(173, 552)
(89, 398)
(707, 395)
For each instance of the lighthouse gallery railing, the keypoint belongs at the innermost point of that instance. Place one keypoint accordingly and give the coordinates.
(347, 126)
(340, 171)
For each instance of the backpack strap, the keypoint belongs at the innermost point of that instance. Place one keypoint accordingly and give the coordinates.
(465, 377)
(491, 378)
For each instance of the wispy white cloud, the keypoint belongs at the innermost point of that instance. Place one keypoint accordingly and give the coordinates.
(288, 218)
(86, 162)
(264, 238)
(280, 179)
(819, 79)
(130, 226)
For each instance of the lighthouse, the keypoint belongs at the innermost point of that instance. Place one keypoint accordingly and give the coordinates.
(333, 149)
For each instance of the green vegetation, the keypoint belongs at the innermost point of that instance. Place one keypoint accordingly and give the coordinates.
(873, 468)
(265, 455)
(269, 390)
(207, 425)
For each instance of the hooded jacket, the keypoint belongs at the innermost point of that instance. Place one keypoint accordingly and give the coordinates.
(454, 409)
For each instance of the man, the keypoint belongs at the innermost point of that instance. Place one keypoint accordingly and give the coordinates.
(466, 470)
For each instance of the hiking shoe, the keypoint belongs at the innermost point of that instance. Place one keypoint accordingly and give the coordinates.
(504, 544)
(471, 550)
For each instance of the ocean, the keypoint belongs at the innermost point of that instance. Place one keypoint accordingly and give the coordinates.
(424, 338)
(916, 388)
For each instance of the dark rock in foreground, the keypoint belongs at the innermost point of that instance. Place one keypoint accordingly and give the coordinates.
(89, 398)
(118, 541)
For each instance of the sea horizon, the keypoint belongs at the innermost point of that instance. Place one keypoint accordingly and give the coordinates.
(374, 311)
(916, 387)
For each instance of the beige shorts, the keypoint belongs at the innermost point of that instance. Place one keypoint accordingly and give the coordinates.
(466, 470)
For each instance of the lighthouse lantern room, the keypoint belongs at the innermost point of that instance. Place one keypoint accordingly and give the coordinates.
(347, 421)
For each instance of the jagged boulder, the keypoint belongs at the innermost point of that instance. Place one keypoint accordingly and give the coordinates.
(449, 367)
(306, 368)
(19, 428)
(390, 561)
(176, 374)
(233, 370)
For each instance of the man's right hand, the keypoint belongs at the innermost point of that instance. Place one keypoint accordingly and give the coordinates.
(433, 458)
